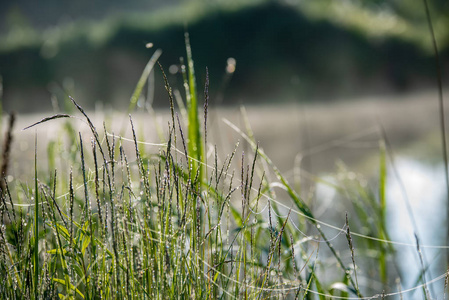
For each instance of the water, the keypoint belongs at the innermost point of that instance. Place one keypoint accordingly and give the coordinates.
(426, 193)
(422, 185)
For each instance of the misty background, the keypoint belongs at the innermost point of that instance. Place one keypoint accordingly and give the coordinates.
(285, 51)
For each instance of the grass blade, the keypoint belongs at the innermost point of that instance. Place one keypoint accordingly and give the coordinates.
(194, 131)
(143, 79)
(36, 224)
(57, 116)
(441, 112)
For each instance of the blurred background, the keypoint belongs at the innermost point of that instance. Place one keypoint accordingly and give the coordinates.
(319, 79)
(284, 50)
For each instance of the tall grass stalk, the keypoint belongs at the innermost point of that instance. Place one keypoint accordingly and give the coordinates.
(441, 113)
(171, 224)
(142, 80)
(36, 224)
(383, 267)
(195, 145)
(301, 205)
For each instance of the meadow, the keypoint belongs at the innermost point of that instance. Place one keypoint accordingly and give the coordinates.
(108, 213)
(118, 217)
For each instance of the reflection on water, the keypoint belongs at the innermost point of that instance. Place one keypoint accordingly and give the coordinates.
(425, 191)
(422, 185)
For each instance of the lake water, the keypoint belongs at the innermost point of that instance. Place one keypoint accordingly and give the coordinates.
(425, 191)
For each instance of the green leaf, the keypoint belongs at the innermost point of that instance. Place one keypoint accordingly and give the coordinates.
(63, 231)
(57, 251)
(62, 281)
(78, 270)
(86, 242)
(237, 217)
(319, 288)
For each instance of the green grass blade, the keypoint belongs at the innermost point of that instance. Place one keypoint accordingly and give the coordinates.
(36, 224)
(383, 270)
(194, 131)
(302, 206)
(63, 282)
(143, 79)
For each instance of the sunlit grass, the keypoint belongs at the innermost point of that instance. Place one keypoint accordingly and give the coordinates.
(115, 219)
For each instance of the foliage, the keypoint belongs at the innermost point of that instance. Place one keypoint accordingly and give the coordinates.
(171, 225)
(283, 51)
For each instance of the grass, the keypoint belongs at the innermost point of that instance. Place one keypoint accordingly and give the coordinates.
(184, 222)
